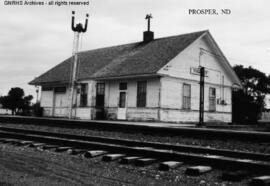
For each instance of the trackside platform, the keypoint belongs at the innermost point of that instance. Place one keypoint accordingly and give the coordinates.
(167, 129)
(116, 122)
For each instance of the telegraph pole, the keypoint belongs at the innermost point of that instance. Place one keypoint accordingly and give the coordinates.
(78, 29)
(201, 101)
(201, 115)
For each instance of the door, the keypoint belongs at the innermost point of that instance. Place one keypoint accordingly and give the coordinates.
(100, 97)
(122, 109)
(60, 102)
(60, 105)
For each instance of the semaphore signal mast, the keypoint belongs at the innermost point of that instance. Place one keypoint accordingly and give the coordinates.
(78, 29)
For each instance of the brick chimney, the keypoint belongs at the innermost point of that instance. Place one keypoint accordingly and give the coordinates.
(148, 35)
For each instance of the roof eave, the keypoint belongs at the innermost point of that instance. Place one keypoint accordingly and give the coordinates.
(54, 83)
(232, 72)
(153, 75)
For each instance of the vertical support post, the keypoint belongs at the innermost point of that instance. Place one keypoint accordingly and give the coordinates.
(53, 106)
(77, 30)
(74, 71)
(37, 91)
(159, 97)
(148, 25)
(201, 115)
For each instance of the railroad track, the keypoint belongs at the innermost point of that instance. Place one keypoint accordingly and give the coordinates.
(130, 128)
(157, 152)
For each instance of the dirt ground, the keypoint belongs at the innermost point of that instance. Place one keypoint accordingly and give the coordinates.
(30, 166)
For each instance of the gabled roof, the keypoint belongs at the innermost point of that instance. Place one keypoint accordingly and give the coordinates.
(224, 61)
(133, 59)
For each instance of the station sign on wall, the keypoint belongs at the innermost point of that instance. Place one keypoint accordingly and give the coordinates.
(196, 71)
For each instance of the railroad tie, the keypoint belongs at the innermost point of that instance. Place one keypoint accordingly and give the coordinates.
(94, 153)
(47, 147)
(75, 151)
(144, 161)
(198, 170)
(261, 181)
(36, 144)
(167, 165)
(128, 160)
(62, 149)
(23, 143)
(112, 157)
(218, 158)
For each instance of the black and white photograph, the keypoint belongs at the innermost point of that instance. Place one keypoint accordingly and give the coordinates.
(134, 93)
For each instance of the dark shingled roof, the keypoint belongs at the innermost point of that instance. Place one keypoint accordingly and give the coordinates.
(123, 60)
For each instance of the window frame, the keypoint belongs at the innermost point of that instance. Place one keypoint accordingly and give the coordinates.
(122, 91)
(186, 105)
(46, 88)
(83, 94)
(122, 86)
(141, 94)
(100, 98)
(60, 89)
(212, 100)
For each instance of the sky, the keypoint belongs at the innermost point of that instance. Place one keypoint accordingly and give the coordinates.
(34, 38)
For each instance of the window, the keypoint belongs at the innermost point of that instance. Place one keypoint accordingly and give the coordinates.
(47, 88)
(123, 86)
(212, 99)
(187, 96)
(141, 94)
(122, 95)
(60, 89)
(83, 94)
(122, 100)
(100, 92)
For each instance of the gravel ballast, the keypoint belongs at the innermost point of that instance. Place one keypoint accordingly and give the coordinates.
(32, 166)
(229, 144)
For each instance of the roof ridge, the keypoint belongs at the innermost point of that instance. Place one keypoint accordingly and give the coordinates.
(133, 43)
(108, 61)
(166, 37)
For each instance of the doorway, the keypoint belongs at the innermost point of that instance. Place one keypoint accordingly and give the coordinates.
(122, 106)
(100, 97)
(60, 102)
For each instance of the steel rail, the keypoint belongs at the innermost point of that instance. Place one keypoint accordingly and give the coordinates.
(132, 128)
(160, 154)
(156, 145)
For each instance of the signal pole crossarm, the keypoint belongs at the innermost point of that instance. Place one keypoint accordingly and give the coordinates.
(78, 29)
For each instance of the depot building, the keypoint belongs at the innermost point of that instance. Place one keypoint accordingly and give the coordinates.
(150, 80)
